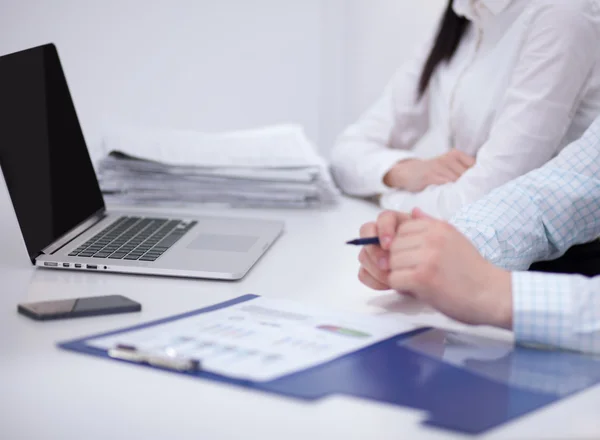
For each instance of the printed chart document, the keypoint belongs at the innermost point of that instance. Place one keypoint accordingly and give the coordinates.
(261, 339)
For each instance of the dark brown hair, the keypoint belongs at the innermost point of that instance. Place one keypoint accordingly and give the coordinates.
(452, 28)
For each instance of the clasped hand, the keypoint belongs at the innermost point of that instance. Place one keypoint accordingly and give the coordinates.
(414, 175)
(432, 261)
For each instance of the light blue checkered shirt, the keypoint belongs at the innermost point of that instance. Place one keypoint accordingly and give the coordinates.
(537, 217)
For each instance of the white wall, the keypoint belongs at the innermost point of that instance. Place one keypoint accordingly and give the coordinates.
(220, 65)
(207, 65)
(381, 35)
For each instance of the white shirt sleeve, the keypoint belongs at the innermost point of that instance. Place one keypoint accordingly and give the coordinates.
(545, 88)
(385, 134)
(559, 311)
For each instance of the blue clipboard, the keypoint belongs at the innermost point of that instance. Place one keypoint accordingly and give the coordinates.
(464, 383)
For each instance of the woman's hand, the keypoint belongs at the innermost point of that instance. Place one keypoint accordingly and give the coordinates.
(414, 175)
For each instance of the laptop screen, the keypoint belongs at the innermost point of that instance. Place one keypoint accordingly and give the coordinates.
(43, 155)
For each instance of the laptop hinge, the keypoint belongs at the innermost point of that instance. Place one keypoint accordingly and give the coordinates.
(75, 232)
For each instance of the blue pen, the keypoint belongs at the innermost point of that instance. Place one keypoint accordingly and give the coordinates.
(364, 241)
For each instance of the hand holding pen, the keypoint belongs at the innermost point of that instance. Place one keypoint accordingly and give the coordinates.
(376, 239)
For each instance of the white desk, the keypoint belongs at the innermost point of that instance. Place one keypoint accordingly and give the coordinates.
(47, 393)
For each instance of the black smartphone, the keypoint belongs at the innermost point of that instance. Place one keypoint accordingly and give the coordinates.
(78, 307)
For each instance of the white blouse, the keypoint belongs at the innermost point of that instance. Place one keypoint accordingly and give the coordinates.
(523, 83)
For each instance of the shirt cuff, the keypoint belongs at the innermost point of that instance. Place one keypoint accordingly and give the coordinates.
(542, 308)
(379, 164)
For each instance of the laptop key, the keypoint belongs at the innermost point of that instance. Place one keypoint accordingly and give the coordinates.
(145, 258)
(170, 240)
(133, 238)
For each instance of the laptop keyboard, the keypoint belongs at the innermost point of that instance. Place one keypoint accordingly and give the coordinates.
(134, 238)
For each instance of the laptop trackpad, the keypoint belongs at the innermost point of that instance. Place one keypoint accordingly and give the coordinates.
(226, 243)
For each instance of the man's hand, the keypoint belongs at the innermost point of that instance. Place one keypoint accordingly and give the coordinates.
(375, 260)
(414, 175)
(438, 265)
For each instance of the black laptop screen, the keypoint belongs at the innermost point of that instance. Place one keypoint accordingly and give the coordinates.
(43, 154)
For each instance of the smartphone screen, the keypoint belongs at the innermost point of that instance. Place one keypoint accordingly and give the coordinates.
(71, 308)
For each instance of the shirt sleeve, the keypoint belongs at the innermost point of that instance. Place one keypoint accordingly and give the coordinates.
(385, 134)
(540, 215)
(536, 111)
(557, 311)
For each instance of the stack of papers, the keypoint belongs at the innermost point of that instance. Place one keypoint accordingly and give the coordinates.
(268, 167)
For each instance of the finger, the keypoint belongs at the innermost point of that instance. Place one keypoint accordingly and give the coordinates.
(419, 214)
(368, 230)
(406, 293)
(378, 256)
(432, 222)
(371, 282)
(408, 243)
(403, 259)
(376, 253)
(387, 225)
(413, 227)
(403, 280)
(465, 159)
(441, 169)
(439, 179)
(456, 165)
(372, 267)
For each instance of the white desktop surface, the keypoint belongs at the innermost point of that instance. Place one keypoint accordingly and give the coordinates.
(48, 393)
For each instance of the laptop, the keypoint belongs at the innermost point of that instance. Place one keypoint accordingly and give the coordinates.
(59, 205)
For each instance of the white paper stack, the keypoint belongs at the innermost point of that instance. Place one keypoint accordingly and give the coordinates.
(269, 167)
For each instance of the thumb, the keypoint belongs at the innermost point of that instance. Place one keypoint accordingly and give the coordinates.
(418, 214)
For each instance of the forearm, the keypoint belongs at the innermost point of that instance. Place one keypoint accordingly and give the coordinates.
(559, 311)
(385, 134)
(506, 227)
(498, 298)
(549, 310)
(359, 166)
(490, 171)
(537, 217)
(444, 201)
